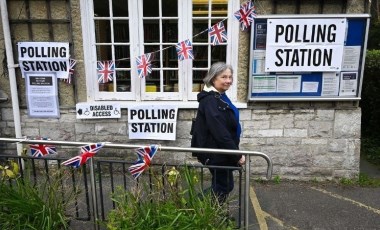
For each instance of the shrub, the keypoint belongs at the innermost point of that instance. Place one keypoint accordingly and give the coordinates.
(181, 208)
(27, 205)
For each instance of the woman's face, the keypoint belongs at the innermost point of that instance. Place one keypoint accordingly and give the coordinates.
(223, 81)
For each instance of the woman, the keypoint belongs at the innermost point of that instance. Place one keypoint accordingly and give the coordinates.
(217, 126)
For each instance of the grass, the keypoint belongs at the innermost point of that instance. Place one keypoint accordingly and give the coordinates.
(182, 207)
(28, 205)
(363, 181)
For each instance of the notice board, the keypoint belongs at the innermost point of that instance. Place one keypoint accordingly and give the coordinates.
(307, 57)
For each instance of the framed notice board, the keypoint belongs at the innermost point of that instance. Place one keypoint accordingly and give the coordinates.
(307, 57)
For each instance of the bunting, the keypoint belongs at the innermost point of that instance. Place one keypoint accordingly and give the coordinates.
(40, 150)
(217, 33)
(144, 65)
(106, 71)
(145, 156)
(184, 50)
(246, 14)
(87, 152)
(72, 63)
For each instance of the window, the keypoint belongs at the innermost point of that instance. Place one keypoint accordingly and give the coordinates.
(121, 30)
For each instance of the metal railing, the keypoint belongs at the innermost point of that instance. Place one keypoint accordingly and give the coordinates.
(248, 155)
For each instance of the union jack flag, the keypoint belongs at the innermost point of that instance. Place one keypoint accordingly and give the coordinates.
(40, 150)
(217, 33)
(144, 65)
(72, 63)
(106, 71)
(246, 14)
(87, 152)
(184, 50)
(145, 156)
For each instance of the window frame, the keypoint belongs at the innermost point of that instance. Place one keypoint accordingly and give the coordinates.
(185, 97)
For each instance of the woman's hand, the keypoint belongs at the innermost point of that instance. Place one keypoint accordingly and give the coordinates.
(242, 160)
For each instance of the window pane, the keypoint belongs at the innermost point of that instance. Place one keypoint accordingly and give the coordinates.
(104, 52)
(200, 31)
(101, 8)
(102, 31)
(200, 8)
(170, 81)
(150, 8)
(122, 57)
(169, 8)
(200, 56)
(170, 57)
(123, 81)
(218, 53)
(121, 30)
(219, 8)
(120, 8)
(170, 30)
(151, 31)
(198, 76)
(152, 84)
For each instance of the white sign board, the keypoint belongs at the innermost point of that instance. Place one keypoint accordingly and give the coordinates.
(305, 45)
(42, 95)
(97, 110)
(155, 122)
(44, 57)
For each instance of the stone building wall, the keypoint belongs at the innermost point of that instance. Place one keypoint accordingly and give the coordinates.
(306, 140)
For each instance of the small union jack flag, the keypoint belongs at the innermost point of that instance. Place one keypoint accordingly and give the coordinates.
(72, 63)
(217, 33)
(246, 14)
(87, 152)
(145, 156)
(184, 50)
(144, 65)
(106, 71)
(40, 150)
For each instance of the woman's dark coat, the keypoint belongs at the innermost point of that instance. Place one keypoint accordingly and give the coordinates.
(215, 127)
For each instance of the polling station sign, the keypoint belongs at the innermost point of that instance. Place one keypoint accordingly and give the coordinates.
(44, 57)
(155, 122)
(97, 110)
(305, 44)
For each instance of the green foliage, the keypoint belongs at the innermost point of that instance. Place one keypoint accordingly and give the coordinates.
(183, 207)
(25, 205)
(370, 148)
(370, 123)
(363, 181)
(277, 179)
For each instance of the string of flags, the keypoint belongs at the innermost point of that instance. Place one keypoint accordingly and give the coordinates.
(217, 34)
(40, 150)
(144, 155)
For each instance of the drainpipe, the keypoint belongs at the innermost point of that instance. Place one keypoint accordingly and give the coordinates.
(12, 72)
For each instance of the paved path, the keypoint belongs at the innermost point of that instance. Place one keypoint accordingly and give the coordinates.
(307, 205)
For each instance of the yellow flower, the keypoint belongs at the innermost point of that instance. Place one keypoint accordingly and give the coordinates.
(10, 171)
(173, 174)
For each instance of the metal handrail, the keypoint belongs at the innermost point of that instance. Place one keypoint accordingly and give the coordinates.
(248, 154)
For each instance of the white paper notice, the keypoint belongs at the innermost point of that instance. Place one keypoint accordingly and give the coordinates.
(42, 95)
(351, 57)
(310, 87)
(330, 84)
(289, 84)
(258, 64)
(348, 84)
(264, 84)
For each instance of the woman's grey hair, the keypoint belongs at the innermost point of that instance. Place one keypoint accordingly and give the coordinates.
(214, 71)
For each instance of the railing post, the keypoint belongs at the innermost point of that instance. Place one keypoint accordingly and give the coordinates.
(93, 191)
(246, 196)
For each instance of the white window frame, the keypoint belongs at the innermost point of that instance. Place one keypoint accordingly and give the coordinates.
(184, 98)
